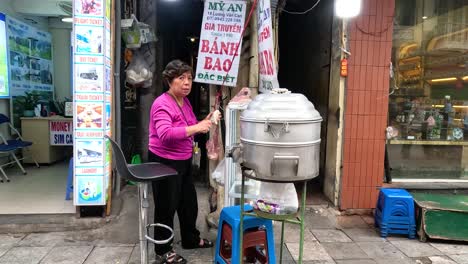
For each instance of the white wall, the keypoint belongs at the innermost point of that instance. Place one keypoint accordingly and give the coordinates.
(39, 22)
(61, 57)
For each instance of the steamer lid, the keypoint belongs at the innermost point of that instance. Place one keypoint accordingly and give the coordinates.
(280, 107)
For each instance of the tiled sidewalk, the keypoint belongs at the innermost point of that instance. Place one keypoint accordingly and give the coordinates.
(329, 238)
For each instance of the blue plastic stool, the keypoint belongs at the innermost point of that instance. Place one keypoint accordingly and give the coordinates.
(231, 216)
(69, 188)
(395, 213)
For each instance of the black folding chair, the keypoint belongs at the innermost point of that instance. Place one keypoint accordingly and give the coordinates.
(143, 174)
(10, 146)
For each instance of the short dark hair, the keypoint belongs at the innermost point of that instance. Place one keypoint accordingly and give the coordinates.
(175, 69)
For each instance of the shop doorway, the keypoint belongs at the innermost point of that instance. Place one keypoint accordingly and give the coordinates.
(179, 28)
(42, 64)
(40, 191)
(305, 42)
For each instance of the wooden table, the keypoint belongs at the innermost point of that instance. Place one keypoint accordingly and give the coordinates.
(37, 130)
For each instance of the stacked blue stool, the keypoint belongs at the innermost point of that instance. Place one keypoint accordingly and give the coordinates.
(395, 213)
(231, 216)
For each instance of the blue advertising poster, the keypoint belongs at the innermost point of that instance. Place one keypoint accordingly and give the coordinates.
(89, 190)
(4, 87)
(30, 52)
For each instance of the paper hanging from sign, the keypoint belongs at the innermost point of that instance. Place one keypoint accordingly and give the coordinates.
(222, 26)
(266, 54)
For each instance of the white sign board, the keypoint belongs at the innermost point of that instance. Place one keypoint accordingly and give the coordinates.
(222, 26)
(92, 93)
(266, 55)
(61, 133)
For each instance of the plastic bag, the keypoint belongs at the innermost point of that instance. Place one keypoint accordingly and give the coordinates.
(277, 198)
(218, 173)
(392, 132)
(430, 121)
(136, 159)
(135, 33)
(242, 98)
(139, 72)
(212, 147)
(196, 156)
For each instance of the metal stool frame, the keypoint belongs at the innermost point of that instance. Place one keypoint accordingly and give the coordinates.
(143, 174)
(292, 219)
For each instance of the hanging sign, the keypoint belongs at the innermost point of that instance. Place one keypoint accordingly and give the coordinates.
(61, 132)
(266, 54)
(222, 26)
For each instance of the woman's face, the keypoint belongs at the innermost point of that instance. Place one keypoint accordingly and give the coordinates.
(182, 85)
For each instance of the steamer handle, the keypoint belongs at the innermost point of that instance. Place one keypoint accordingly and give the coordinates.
(284, 157)
(276, 133)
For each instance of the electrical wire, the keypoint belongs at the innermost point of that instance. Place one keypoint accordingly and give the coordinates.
(346, 53)
(375, 33)
(301, 13)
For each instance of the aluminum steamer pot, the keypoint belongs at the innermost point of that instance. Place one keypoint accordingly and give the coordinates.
(280, 138)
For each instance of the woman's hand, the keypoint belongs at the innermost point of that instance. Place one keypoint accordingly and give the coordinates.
(214, 117)
(203, 126)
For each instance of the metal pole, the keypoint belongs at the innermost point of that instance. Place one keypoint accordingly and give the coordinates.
(117, 120)
(301, 239)
(282, 242)
(230, 173)
(143, 221)
(241, 234)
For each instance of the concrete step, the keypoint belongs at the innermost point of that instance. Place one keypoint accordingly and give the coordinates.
(64, 222)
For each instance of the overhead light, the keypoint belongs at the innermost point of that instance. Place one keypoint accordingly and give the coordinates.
(192, 38)
(67, 19)
(455, 106)
(347, 8)
(424, 17)
(444, 79)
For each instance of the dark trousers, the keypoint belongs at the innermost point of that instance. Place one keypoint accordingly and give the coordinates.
(171, 195)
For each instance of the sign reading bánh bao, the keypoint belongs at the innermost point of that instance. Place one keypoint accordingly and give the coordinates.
(222, 26)
(61, 133)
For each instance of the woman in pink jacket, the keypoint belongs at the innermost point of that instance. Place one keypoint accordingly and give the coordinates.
(172, 127)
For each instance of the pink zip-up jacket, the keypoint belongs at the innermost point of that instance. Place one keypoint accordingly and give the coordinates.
(167, 135)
